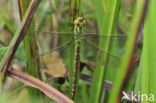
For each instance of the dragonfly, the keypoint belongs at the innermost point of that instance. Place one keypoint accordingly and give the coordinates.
(85, 46)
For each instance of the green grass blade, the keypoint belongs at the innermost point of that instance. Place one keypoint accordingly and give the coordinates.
(31, 52)
(72, 50)
(129, 50)
(20, 33)
(9, 25)
(148, 57)
(106, 25)
(138, 79)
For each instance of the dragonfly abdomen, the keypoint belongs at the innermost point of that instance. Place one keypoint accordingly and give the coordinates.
(76, 68)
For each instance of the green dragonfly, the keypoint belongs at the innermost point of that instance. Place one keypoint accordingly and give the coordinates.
(84, 44)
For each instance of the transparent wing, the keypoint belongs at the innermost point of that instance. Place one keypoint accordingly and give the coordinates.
(114, 53)
(54, 52)
(55, 48)
(52, 41)
(121, 38)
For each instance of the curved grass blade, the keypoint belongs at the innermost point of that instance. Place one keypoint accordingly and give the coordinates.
(36, 83)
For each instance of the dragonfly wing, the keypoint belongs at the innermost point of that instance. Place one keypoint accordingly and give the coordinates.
(55, 62)
(121, 38)
(114, 52)
(53, 48)
(51, 40)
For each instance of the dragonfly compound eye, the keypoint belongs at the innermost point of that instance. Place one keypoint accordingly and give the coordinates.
(77, 24)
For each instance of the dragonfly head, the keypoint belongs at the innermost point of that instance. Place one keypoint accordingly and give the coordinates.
(79, 22)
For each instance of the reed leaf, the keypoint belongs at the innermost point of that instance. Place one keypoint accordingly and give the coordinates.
(31, 51)
(19, 35)
(126, 64)
(148, 65)
(106, 26)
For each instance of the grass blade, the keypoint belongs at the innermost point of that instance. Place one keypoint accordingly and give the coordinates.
(45, 88)
(148, 59)
(9, 25)
(126, 63)
(33, 66)
(20, 33)
(106, 25)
